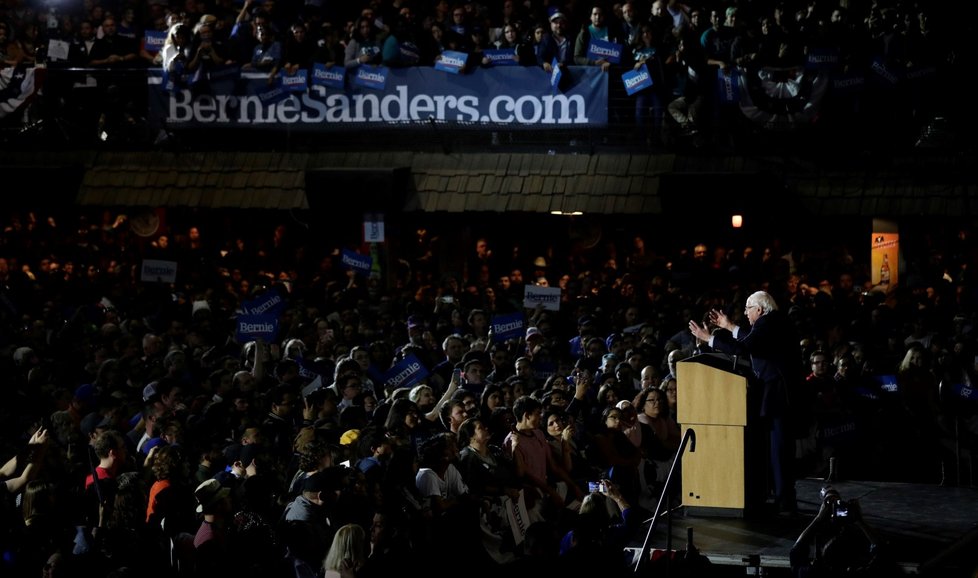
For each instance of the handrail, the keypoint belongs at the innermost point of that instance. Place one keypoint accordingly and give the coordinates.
(688, 438)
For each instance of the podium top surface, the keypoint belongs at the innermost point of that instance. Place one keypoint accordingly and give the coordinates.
(732, 363)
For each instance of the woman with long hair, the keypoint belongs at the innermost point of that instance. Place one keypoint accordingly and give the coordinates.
(364, 46)
(615, 455)
(348, 552)
(404, 425)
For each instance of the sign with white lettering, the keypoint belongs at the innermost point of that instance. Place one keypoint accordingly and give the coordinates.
(254, 327)
(408, 373)
(270, 302)
(501, 56)
(356, 261)
(155, 271)
(604, 50)
(372, 77)
(549, 297)
(328, 76)
(451, 61)
(556, 72)
(153, 41)
(297, 82)
(507, 326)
(636, 80)
(511, 96)
(373, 228)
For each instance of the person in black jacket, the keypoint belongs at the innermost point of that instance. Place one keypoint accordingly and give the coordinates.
(772, 344)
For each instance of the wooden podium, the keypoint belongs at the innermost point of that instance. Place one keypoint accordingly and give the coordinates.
(712, 400)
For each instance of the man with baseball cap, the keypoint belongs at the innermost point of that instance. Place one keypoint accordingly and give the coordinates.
(557, 46)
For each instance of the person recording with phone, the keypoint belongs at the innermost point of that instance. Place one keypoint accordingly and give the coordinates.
(604, 524)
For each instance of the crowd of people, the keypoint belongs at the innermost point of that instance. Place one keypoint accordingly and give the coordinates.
(146, 435)
(715, 69)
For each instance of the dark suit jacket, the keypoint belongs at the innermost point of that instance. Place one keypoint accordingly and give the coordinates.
(772, 344)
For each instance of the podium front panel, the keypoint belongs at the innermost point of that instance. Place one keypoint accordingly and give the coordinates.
(713, 475)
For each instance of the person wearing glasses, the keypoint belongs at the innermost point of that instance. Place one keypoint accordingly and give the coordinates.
(773, 346)
(830, 412)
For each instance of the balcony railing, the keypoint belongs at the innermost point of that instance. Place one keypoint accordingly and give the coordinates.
(88, 107)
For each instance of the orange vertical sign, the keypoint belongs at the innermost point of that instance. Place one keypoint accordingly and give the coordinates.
(885, 259)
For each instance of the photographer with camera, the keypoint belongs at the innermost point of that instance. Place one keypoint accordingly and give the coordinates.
(838, 543)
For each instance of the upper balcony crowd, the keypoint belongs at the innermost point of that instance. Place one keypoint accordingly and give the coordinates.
(718, 70)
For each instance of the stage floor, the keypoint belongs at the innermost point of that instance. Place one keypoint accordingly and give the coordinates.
(923, 524)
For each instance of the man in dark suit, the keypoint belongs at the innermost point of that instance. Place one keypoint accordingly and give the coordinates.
(772, 344)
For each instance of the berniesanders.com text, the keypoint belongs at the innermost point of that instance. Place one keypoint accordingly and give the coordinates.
(316, 106)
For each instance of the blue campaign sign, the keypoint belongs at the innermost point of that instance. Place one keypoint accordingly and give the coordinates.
(728, 86)
(409, 53)
(555, 74)
(603, 50)
(176, 80)
(836, 430)
(822, 58)
(224, 73)
(372, 77)
(408, 373)
(888, 78)
(273, 95)
(636, 80)
(850, 83)
(887, 383)
(451, 61)
(517, 97)
(966, 391)
(154, 41)
(297, 82)
(867, 393)
(331, 77)
(254, 327)
(507, 326)
(501, 56)
(921, 73)
(357, 262)
(270, 302)
(543, 369)
(307, 370)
